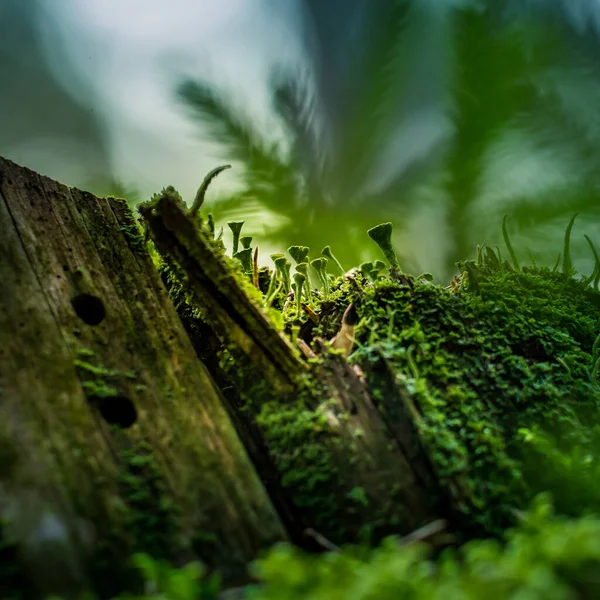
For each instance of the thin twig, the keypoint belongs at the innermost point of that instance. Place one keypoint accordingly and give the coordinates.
(314, 317)
(305, 348)
(424, 533)
(321, 540)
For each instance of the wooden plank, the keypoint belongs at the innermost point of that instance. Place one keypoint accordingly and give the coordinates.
(102, 390)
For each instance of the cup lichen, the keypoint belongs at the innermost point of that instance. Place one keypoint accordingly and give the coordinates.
(299, 253)
(245, 258)
(327, 253)
(382, 235)
(298, 285)
(236, 229)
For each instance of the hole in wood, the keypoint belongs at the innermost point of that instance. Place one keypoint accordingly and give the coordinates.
(90, 309)
(118, 410)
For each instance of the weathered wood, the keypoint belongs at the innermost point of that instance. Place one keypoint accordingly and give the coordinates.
(118, 432)
(219, 293)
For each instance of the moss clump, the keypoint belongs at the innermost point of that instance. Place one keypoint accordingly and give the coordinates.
(150, 516)
(315, 458)
(99, 382)
(149, 521)
(498, 355)
(297, 438)
(511, 351)
(134, 235)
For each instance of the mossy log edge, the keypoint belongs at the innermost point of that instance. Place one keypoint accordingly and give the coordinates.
(394, 472)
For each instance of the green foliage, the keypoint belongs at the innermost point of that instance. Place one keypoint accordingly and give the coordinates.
(569, 465)
(545, 558)
(163, 582)
(495, 80)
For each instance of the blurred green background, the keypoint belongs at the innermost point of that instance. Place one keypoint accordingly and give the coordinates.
(438, 115)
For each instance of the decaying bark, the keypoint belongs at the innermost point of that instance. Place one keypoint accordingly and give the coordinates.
(107, 417)
(220, 294)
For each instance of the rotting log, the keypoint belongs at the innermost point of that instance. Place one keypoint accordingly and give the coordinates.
(113, 437)
(372, 481)
(465, 388)
(115, 415)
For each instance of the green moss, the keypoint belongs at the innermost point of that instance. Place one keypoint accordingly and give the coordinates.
(314, 460)
(150, 516)
(133, 233)
(298, 438)
(85, 353)
(99, 389)
(480, 365)
(148, 520)
(99, 381)
(94, 370)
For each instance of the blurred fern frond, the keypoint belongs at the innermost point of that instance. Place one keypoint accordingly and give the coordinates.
(473, 72)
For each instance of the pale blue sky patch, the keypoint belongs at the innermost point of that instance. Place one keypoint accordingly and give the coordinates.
(134, 52)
